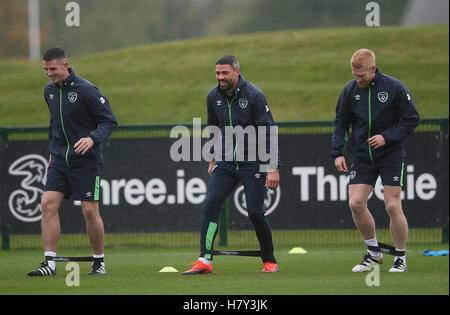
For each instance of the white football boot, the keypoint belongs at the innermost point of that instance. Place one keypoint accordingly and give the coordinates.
(367, 263)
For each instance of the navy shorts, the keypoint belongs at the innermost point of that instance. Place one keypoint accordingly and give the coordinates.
(81, 183)
(389, 168)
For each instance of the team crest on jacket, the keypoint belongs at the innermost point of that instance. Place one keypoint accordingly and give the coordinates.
(243, 103)
(383, 96)
(72, 96)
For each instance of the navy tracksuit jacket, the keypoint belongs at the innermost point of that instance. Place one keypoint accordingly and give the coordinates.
(246, 107)
(77, 110)
(385, 107)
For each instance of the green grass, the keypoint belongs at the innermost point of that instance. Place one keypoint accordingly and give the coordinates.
(325, 269)
(301, 72)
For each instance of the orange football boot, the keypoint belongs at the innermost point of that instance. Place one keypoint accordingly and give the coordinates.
(199, 268)
(269, 267)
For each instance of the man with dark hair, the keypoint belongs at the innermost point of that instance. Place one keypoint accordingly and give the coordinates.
(53, 53)
(81, 119)
(235, 102)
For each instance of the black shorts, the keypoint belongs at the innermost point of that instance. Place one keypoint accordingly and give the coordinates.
(390, 169)
(83, 183)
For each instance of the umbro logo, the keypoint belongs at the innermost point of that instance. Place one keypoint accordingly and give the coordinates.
(52, 96)
(357, 97)
(89, 194)
(395, 178)
(219, 102)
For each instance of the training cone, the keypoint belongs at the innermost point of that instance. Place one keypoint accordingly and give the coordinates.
(297, 250)
(168, 269)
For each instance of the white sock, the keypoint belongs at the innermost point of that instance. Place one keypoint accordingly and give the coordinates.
(400, 257)
(51, 263)
(100, 256)
(204, 260)
(372, 242)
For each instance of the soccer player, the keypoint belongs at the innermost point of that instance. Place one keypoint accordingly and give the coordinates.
(381, 113)
(81, 119)
(236, 102)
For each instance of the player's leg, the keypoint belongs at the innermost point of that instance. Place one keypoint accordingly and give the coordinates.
(398, 225)
(391, 174)
(55, 190)
(362, 180)
(85, 183)
(220, 185)
(255, 194)
(96, 233)
(94, 225)
(50, 225)
(358, 195)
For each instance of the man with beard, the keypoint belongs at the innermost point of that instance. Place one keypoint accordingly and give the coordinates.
(235, 102)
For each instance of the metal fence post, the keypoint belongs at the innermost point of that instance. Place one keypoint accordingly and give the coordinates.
(3, 139)
(443, 122)
(5, 242)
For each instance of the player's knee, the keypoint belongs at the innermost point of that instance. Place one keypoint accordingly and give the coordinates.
(255, 215)
(90, 211)
(49, 206)
(394, 209)
(357, 205)
(212, 204)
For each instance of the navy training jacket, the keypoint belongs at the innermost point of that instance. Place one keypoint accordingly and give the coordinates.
(385, 107)
(247, 107)
(77, 110)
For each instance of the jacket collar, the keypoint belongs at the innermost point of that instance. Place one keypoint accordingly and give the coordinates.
(376, 78)
(70, 79)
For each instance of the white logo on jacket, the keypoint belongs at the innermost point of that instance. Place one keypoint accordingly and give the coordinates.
(72, 96)
(383, 97)
(243, 103)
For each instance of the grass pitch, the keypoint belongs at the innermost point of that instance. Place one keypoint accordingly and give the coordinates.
(323, 270)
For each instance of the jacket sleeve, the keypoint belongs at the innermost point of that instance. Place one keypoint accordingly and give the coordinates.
(51, 119)
(342, 124)
(409, 118)
(103, 114)
(211, 121)
(263, 117)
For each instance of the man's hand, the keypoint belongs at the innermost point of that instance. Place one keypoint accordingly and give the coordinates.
(211, 167)
(340, 164)
(273, 179)
(83, 145)
(376, 141)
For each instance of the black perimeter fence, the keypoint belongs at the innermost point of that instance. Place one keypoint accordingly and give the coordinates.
(302, 216)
